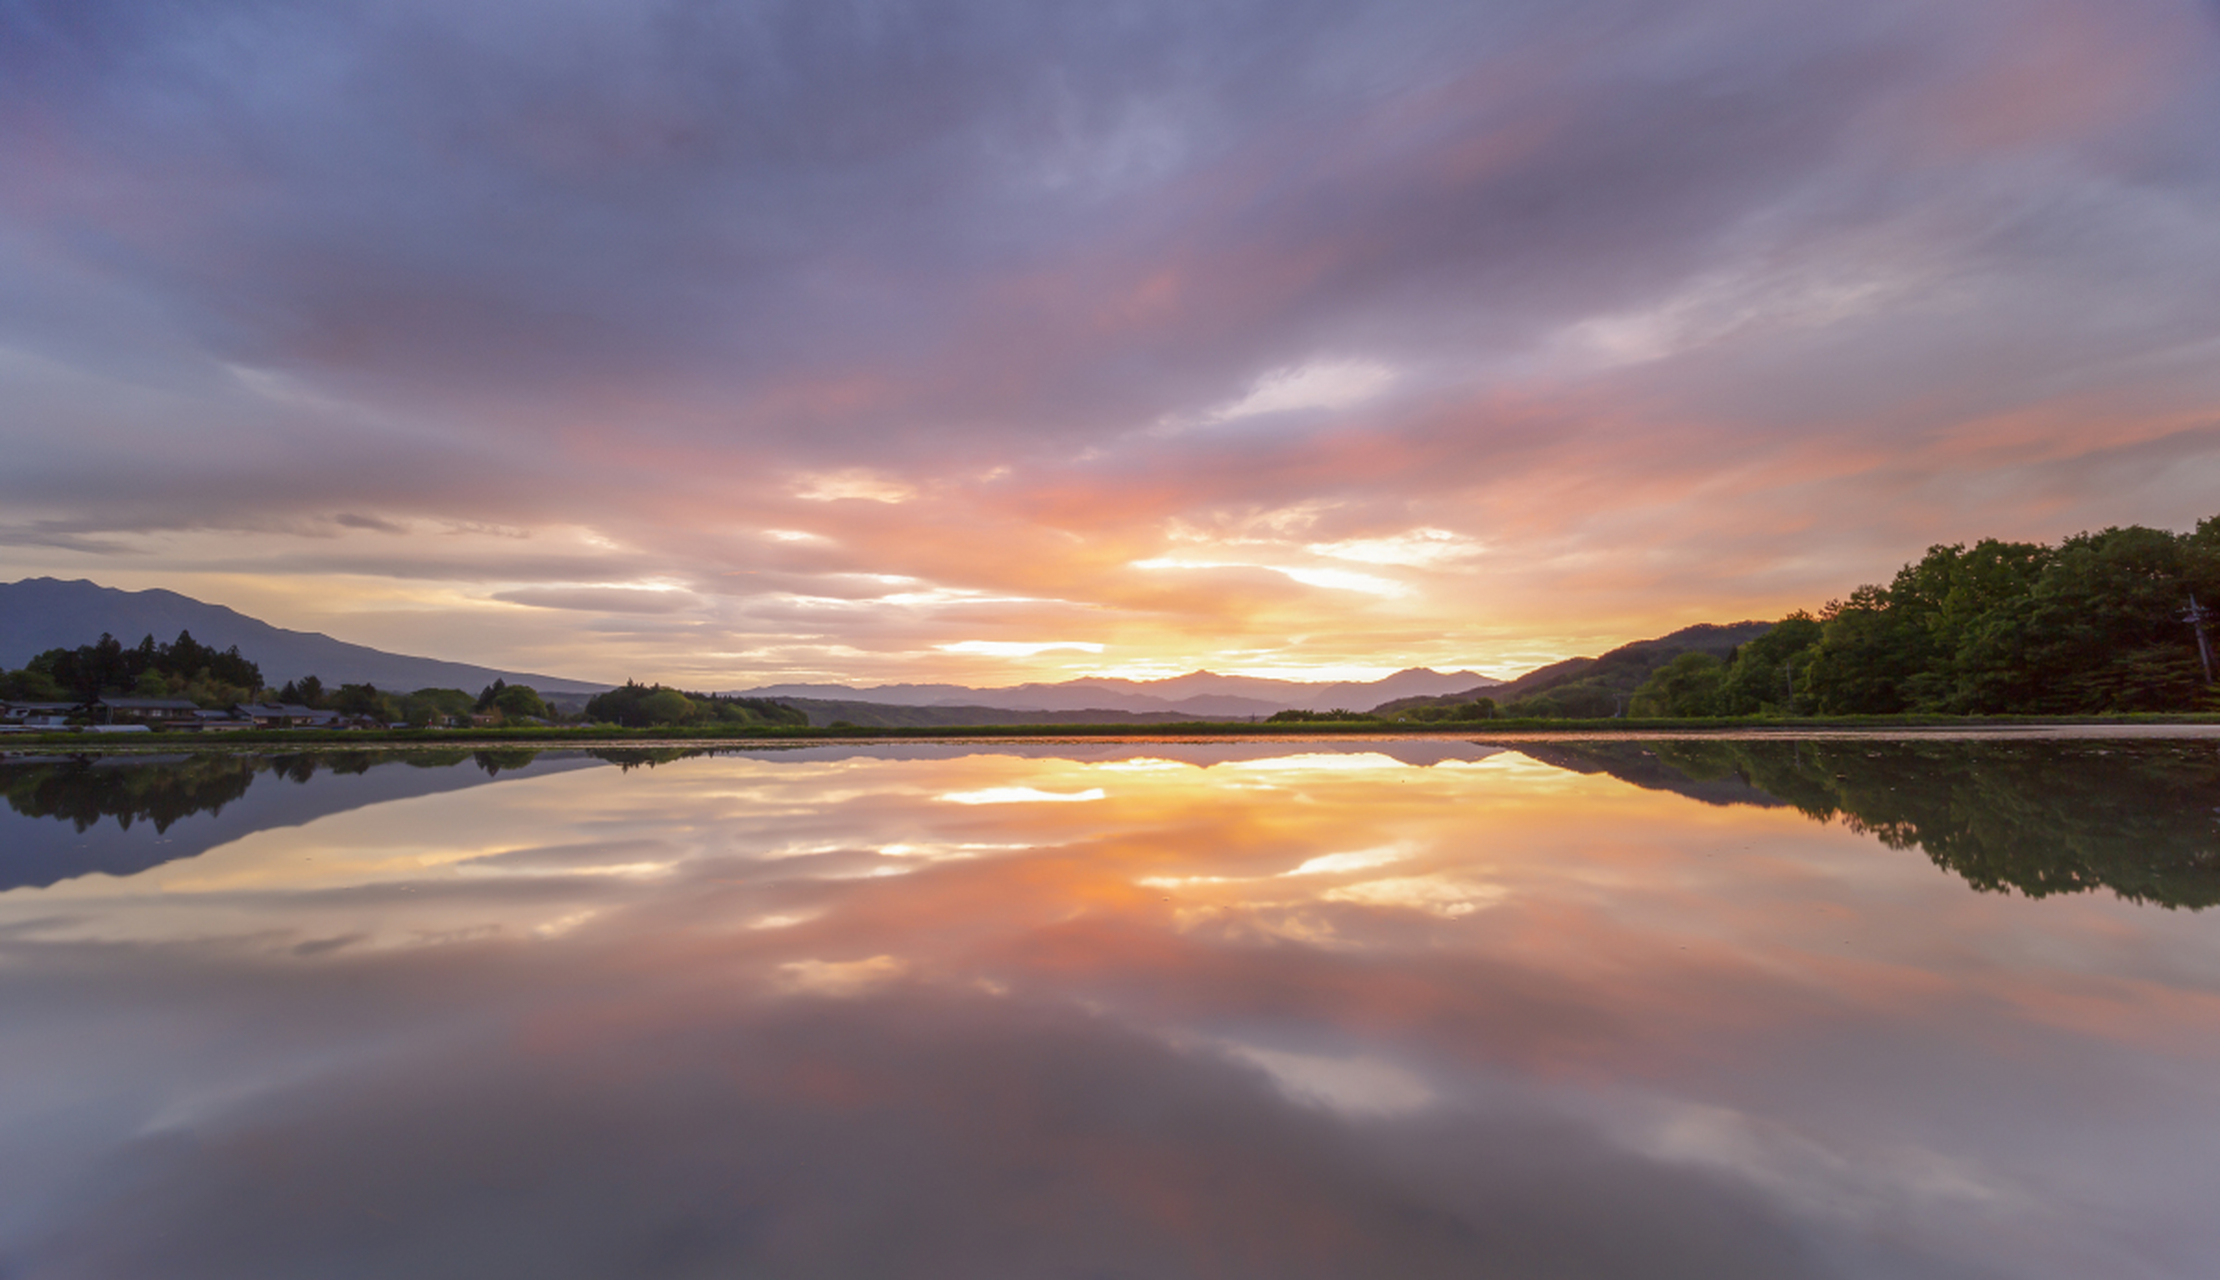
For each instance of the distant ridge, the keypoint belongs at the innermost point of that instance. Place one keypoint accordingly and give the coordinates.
(38, 614)
(1600, 686)
(883, 715)
(1198, 694)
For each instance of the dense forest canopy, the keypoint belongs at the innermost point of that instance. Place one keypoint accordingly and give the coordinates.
(183, 668)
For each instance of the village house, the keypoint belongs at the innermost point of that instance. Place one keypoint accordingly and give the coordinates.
(17, 717)
(281, 715)
(148, 711)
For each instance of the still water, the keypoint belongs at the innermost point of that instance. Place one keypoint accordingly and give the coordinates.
(1853, 1008)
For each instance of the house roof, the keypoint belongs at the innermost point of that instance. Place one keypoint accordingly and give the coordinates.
(150, 704)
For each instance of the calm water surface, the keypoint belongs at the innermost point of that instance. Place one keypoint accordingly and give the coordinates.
(1387, 1009)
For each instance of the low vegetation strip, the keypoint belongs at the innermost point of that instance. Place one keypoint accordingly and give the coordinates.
(597, 735)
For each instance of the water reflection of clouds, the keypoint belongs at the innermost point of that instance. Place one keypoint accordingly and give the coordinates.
(1020, 795)
(1654, 1048)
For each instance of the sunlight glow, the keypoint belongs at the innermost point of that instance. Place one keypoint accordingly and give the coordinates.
(1435, 895)
(1347, 580)
(862, 485)
(1417, 548)
(1017, 648)
(1333, 579)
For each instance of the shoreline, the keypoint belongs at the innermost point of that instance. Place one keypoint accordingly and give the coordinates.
(1987, 728)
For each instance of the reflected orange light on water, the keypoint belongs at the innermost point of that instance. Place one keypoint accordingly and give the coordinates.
(1205, 884)
(1341, 936)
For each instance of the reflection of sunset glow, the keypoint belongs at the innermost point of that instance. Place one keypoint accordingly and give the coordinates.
(1364, 859)
(1020, 795)
(841, 978)
(1728, 991)
(1319, 762)
(1436, 895)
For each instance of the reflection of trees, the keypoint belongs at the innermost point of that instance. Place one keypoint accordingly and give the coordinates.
(2049, 817)
(494, 761)
(1711, 780)
(162, 790)
(83, 791)
(629, 758)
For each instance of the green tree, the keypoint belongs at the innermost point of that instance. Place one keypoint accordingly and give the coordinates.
(2104, 631)
(436, 707)
(31, 684)
(365, 700)
(1689, 685)
(1765, 674)
(518, 700)
(308, 691)
(640, 706)
(667, 707)
(1867, 654)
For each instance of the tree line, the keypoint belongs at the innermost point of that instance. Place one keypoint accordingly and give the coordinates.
(188, 670)
(2101, 623)
(500, 699)
(643, 706)
(183, 668)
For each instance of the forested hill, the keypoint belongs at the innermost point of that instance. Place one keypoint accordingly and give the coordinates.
(2101, 623)
(1586, 687)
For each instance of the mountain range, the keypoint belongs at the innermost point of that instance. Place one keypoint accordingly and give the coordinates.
(38, 614)
(1204, 694)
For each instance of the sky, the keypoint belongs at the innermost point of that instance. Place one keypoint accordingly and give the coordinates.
(731, 343)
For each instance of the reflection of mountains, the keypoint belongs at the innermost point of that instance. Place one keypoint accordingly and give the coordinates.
(2047, 817)
(123, 815)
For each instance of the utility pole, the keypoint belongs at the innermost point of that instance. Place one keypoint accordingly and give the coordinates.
(2196, 615)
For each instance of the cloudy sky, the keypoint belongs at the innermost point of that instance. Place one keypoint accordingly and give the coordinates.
(726, 342)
